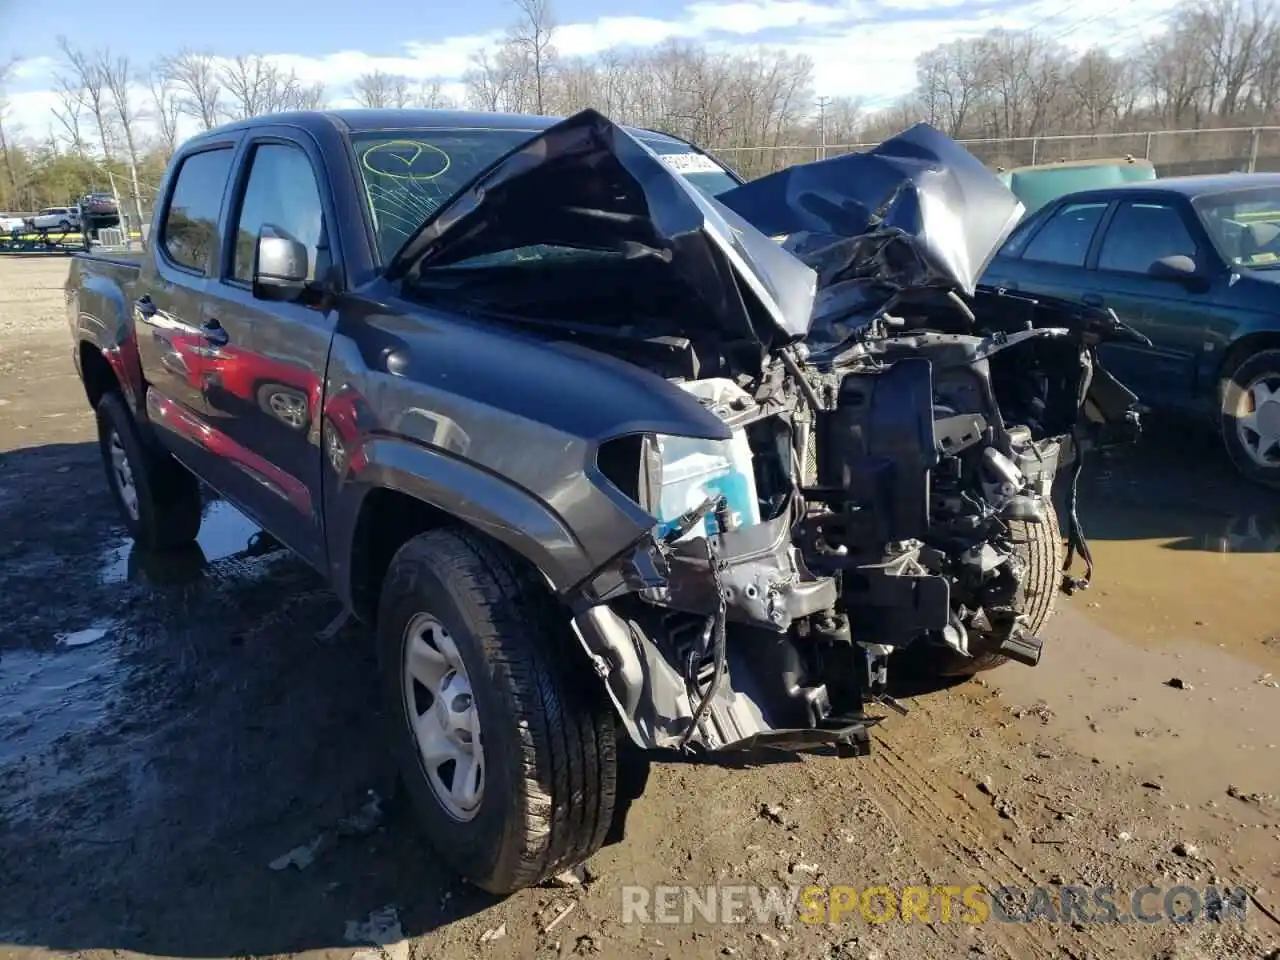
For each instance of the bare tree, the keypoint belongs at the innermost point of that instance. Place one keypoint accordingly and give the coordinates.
(1235, 34)
(1096, 85)
(251, 83)
(69, 113)
(10, 174)
(844, 118)
(89, 81)
(119, 79)
(1176, 78)
(165, 108)
(304, 96)
(951, 80)
(378, 90)
(487, 82)
(531, 36)
(256, 86)
(430, 95)
(199, 88)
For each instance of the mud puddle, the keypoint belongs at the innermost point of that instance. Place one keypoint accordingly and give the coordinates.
(1183, 548)
(225, 534)
(49, 698)
(1207, 582)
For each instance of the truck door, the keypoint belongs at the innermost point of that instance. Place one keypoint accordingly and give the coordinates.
(264, 393)
(174, 351)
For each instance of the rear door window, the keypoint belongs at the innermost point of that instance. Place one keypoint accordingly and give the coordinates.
(190, 230)
(1065, 238)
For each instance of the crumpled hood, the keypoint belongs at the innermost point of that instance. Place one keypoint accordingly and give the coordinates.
(587, 183)
(918, 212)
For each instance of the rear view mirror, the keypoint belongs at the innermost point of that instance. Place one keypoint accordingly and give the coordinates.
(1179, 267)
(280, 265)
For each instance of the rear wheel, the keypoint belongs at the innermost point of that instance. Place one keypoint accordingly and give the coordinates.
(1039, 548)
(503, 737)
(159, 499)
(1250, 417)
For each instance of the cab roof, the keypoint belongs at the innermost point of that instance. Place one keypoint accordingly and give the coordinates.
(357, 120)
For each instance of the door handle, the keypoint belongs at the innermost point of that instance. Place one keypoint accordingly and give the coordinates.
(145, 306)
(214, 333)
(1093, 300)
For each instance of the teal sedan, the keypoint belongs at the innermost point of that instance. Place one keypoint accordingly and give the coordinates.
(1194, 264)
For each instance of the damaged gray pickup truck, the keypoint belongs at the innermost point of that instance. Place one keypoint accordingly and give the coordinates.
(616, 453)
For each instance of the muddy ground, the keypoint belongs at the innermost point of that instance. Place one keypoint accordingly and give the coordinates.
(170, 730)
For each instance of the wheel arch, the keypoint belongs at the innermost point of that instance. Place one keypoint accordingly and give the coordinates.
(1240, 351)
(403, 490)
(97, 374)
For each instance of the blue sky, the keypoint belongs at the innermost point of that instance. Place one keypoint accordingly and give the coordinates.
(863, 48)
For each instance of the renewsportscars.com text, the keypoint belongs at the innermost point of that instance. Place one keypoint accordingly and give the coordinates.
(971, 904)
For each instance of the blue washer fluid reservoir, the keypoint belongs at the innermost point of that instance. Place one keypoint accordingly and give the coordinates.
(693, 469)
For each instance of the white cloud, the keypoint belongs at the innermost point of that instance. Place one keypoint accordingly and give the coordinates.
(861, 48)
(585, 39)
(754, 16)
(30, 113)
(34, 68)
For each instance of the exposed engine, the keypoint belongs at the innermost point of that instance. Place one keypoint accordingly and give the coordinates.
(895, 491)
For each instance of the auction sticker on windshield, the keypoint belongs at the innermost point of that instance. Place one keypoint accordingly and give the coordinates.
(687, 163)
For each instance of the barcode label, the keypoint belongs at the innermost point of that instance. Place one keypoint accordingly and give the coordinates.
(687, 163)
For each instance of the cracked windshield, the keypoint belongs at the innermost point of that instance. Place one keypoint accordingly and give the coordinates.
(408, 174)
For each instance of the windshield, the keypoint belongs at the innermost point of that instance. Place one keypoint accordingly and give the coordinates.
(1244, 225)
(408, 174)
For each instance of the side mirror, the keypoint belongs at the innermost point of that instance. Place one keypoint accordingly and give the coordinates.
(1179, 267)
(279, 266)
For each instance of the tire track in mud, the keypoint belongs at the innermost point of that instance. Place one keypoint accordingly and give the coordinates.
(959, 846)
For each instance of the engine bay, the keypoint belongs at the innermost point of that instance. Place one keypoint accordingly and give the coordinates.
(894, 493)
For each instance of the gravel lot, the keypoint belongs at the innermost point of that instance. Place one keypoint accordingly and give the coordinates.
(185, 771)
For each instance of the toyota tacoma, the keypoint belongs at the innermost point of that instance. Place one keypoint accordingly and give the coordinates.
(611, 450)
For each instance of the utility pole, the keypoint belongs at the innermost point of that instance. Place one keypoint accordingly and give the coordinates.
(137, 207)
(822, 127)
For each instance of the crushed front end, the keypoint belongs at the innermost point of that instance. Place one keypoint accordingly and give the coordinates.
(888, 482)
(863, 459)
(904, 498)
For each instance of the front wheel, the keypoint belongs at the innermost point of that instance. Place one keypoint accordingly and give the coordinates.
(159, 499)
(505, 740)
(1250, 417)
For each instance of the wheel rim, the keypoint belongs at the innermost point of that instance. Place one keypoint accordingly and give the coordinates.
(333, 445)
(288, 408)
(122, 475)
(443, 718)
(1257, 417)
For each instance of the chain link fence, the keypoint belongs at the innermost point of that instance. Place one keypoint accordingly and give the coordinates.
(1174, 152)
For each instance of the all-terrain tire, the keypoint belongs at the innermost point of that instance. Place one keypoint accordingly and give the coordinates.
(167, 510)
(1265, 365)
(1039, 547)
(548, 733)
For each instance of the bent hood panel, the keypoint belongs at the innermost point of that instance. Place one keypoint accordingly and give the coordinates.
(587, 183)
(920, 188)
